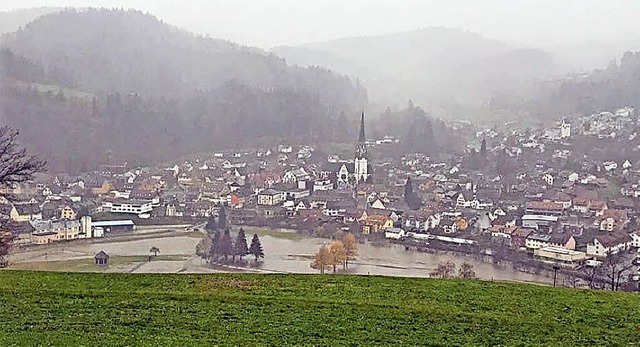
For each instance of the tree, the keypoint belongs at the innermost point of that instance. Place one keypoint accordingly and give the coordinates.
(226, 245)
(593, 276)
(16, 166)
(483, 148)
(615, 269)
(211, 224)
(155, 250)
(338, 254)
(350, 247)
(222, 218)
(5, 246)
(410, 197)
(256, 248)
(214, 248)
(323, 260)
(446, 270)
(240, 248)
(466, 271)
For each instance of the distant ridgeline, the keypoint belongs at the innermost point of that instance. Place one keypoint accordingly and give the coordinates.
(77, 84)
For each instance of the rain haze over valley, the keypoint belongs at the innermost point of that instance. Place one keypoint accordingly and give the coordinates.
(495, 140)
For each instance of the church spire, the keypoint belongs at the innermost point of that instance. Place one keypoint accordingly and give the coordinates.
(362, 138)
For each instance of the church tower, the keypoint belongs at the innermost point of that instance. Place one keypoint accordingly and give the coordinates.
(361, 169)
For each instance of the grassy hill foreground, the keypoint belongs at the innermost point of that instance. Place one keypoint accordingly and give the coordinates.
(46, 308)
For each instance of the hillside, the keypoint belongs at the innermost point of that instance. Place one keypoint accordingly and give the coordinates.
(439, 68)
(277, 310)
(152, 92)
(610, 88)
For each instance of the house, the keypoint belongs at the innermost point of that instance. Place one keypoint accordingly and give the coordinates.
(376, 223)
(598, 207)
(635, 239)
(138, 207)
(544, 208)
(102, 189)
(548, 179)
(466, 199)
(50, 231)
(298, 177)
(612, 220)
(564, 241)
(394, 233)
(25, 212)
(580, 205)
(602, 245)
(68, 213)
(535, 241)
(270, 197)
(102, 258)
(519, 237)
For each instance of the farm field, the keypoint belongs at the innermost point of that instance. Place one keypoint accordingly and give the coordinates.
(72, 309)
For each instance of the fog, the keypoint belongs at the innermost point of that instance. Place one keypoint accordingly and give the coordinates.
(291, 22)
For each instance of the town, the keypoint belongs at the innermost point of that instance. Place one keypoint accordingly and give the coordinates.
(562, 197)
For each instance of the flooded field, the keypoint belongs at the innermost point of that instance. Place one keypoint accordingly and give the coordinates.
(283, 254)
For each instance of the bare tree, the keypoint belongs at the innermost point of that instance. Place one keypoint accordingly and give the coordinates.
(615, 269)
(466, 271)
(446, 270)
(16, 166)
(593, 276)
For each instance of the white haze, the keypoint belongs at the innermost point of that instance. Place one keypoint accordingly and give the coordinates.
(267, 23)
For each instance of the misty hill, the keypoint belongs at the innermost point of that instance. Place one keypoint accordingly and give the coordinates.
(607, 89)
(80, 84)
(11, 21)
(437, 67)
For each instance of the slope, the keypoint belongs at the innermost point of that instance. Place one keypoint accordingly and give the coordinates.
(146, 310)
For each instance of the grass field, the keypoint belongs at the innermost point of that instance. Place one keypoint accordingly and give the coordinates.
(250, 310)
(88, 264)
(271, 232)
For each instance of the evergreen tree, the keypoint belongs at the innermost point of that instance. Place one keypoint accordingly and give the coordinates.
(256, 247)
(222, 218)
(240, 248)
(211, 224)
(410, 197)
(226, 245)
(214, 249)
(483, 149)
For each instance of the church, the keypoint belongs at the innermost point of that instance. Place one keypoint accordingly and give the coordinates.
(348, 174)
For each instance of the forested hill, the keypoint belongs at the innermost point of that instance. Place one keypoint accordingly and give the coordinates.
(126, 83)
(616, 86)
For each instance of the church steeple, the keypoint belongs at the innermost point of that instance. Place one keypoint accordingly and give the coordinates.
(362, 172)
(362, 138)
(361, 146)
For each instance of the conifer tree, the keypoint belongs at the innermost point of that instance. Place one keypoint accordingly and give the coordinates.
(240, 248)
(226, 245)
(256, 248)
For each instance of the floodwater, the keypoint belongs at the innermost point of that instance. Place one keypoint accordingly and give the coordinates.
(284, 255)
(281, 255)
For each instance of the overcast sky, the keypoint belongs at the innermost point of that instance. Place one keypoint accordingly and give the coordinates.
(266, 23)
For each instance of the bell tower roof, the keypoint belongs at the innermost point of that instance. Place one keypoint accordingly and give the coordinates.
(362, 137)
